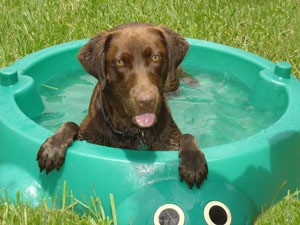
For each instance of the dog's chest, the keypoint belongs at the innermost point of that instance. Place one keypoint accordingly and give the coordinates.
(143, 144)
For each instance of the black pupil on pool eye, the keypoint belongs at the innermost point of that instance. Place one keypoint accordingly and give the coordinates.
(218, 215)
(168, 217)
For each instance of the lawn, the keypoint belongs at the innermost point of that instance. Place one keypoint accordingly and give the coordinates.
(60, 211)
(267, 28)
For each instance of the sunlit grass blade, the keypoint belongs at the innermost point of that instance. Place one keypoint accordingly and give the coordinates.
(113, 209)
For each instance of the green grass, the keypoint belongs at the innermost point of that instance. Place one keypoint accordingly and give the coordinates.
(286, 212)
(267, 28)
(61, 211)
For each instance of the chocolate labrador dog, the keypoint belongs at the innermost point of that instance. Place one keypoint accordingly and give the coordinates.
(135, 64)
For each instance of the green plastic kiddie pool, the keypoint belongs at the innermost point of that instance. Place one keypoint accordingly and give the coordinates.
(244, 113)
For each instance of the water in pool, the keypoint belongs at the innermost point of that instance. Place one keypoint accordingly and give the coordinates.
(217, 111)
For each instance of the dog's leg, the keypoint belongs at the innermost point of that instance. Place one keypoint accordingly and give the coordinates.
(193, 167)
(51, 154)
(187, 78)
(172, 85)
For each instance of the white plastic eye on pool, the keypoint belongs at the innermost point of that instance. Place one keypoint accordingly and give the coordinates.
(170, 214)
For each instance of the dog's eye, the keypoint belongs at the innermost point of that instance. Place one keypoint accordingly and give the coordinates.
(155, 58)
(120, 63)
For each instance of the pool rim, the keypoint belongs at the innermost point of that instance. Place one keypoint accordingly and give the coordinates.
(249, 144)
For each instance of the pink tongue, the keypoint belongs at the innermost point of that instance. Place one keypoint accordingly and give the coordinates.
(145, 120)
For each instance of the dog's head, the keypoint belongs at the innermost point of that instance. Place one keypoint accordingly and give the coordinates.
(135, 62)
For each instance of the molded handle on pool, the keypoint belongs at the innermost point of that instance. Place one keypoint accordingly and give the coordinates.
(269, 91)
(28, 98)
(8, 76)
(283, 69)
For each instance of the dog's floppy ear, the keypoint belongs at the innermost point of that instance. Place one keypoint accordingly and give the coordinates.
(92, 57)
(177, 47)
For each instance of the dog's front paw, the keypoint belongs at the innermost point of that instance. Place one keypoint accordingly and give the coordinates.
(51, 155)
(193, 167)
